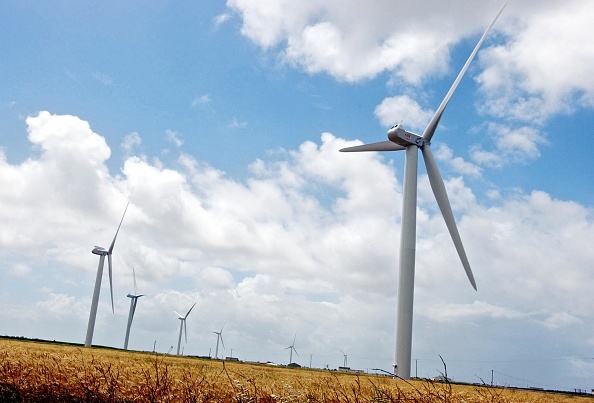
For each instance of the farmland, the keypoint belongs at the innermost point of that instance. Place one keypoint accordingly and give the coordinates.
(41, 372)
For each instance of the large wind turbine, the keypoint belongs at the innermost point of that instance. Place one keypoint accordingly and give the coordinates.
(182, 326)
(219, 337)
(98, 250)
(133, 300)
(401, 139)
(292, 348)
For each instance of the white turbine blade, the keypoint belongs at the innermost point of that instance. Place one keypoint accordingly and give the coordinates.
(443, 202)
(118, 230)
(110, 281)
(186, 332)
(386, 145)
(133, 310)
(190, 310)
(222, 342)
(180, 317)
(134, 276)
(295, 351)
(428, 133)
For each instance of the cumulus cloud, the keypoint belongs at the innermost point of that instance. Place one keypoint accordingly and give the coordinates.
(521, 82)
(511, 144)
(354, 41)
(405, 110)
(522, 86)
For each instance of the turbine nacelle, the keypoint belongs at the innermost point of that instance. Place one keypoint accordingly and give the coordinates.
(398, 134)
(98, 250)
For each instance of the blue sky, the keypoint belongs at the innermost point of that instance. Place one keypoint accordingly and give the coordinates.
(221, 122)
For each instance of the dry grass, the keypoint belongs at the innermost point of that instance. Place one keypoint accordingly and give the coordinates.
(43, 372)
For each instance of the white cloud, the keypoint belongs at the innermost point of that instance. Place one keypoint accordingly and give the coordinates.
(237, 124)
(220, 20)
(403, 109)
(354, 41)
(511, 144)
(19, 270)
(457, 164)
(201, 101)
(522, 82)
(173, 137)
(523, 87)
(561, 319)
(447, 311)
(130, 142)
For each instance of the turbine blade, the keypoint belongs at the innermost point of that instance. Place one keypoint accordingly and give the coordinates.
(190, 310)
(133, 310)
(295, 351)
(110, 281)
(185, 332)
(443, 202)
(134, 276)
(118, 230)
(222, 342)
(386, 145)
(430, 130)
(180, 317)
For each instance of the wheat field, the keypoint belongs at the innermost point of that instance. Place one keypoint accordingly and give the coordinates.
(46, 372)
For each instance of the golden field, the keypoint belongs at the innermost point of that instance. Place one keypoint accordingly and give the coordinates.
(46, 372)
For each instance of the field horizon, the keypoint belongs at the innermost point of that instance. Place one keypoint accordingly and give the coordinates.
(41, 370)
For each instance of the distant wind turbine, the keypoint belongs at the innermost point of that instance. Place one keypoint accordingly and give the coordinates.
(401, 139)
(133, 300)
(98, 250)
(345, 358)
(182, 326)
(219, 337)
(292, 348)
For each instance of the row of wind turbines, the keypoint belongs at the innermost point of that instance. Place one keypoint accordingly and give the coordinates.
(398, 139)
(101, 252)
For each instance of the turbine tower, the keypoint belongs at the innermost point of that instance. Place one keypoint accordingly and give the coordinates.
(292, 348)
(182, 326)
(401, 139)
(219, 337)
(133, 300)
(98, 250)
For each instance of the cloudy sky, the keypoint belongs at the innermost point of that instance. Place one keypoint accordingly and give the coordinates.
(220, 124)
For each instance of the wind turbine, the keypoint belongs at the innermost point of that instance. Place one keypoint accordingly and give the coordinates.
(133, 300)
(182, 326)
(401, 139)
(98, 250)
(292, 348)
(345, 358)
(219, 337)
